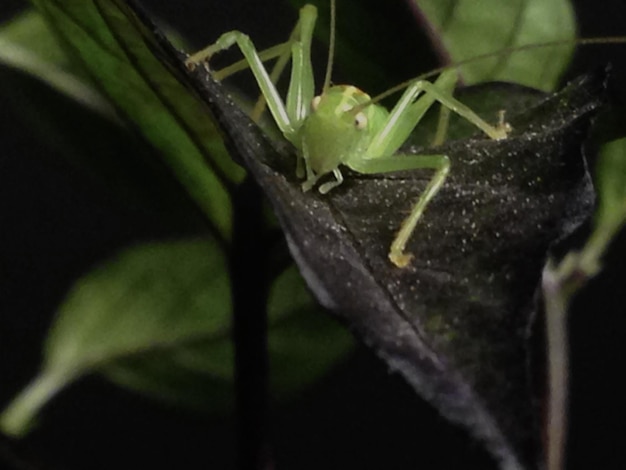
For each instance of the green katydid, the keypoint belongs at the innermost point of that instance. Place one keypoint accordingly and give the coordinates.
(342, 126)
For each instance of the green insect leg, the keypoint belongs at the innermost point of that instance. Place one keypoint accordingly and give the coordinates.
(494, 132)
(442, 127)
(274, 101)
(287, 116)
(439, 163)
(411, 107)
(301, 85)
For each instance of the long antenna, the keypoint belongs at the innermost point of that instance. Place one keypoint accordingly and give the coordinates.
(331, 46)
(490, 55)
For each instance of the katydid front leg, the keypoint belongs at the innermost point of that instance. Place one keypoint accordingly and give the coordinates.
(288, 116)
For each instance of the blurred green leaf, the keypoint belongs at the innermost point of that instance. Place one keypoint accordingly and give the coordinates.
(107, 39)
(391, 52)
(157, 319)
(151, 298)
(303, 341)
(28, 44)
(303, 345)
(30, 31)
(463, 29)
(611, 184)
(108, 154)
(61, 106)
(610, 217)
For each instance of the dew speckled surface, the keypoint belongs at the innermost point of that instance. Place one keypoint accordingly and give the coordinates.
(454, 322)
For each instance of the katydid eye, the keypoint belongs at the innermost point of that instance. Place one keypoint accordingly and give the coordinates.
(360, 121)
(315, 102)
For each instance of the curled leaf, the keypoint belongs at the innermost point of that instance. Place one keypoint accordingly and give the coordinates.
(455, 322)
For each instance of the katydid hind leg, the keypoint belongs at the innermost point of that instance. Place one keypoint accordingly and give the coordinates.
(439, 163)
(406, 115)
(411, 107)
(497, 132)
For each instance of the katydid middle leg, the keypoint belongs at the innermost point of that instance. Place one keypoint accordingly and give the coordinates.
(403, 118)
(439, 163)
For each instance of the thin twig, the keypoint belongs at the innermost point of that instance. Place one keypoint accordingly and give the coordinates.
(558, 367)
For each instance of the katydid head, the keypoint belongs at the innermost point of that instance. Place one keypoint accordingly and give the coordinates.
(338, 129)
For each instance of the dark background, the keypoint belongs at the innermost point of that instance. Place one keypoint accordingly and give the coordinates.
(55, 225)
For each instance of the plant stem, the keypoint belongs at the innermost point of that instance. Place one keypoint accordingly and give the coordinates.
(249, 289)
(560, 283)
(556, 305)
(17, 418)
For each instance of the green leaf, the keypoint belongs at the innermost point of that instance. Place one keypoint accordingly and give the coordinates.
(303, 345)
(30, 31)
(28, 44)
(610, 217)
(611, 183)
(104, 150)
(463, 29)
(73, 118)
(151, 298)
(109, 41)
(303, 341)
(379, 51)
(157, 319)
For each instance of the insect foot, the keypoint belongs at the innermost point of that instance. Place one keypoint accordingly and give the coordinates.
(400, 259)
(191, 63)
(201, 57)
(503, 128)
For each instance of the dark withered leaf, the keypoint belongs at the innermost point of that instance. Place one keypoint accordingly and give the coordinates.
(455, 322)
